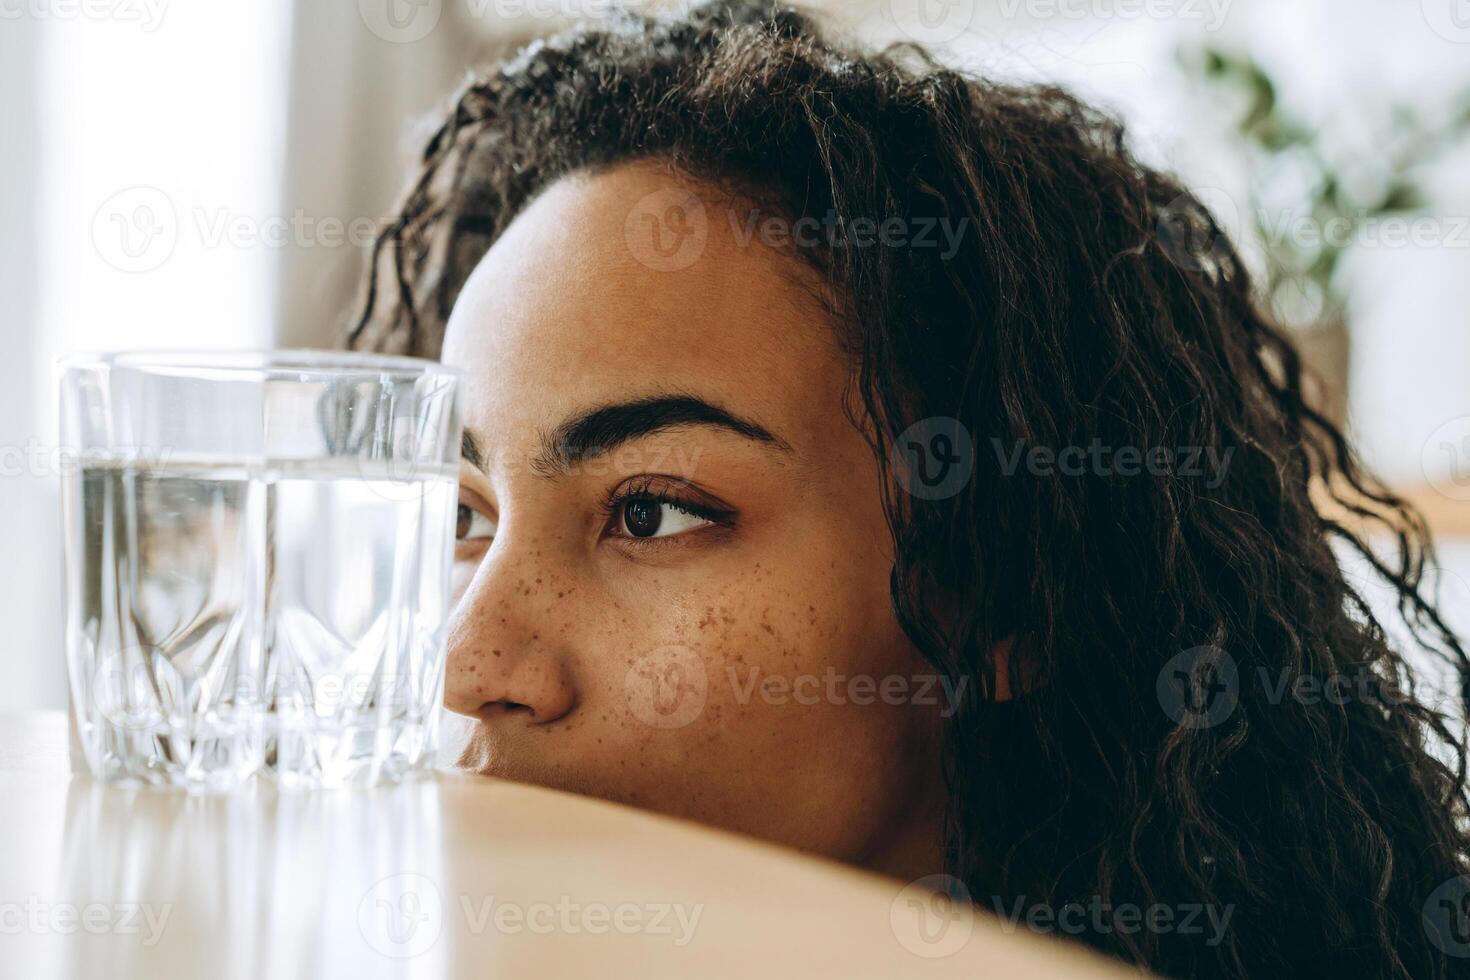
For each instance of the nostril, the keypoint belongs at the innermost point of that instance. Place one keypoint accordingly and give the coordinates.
(532, 689)
(507, 707)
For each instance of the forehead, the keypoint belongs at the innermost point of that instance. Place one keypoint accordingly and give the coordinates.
(635, 281)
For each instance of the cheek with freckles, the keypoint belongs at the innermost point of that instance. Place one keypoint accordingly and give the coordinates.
(699, 719)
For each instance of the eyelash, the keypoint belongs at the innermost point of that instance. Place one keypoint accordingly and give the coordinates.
(656, 490)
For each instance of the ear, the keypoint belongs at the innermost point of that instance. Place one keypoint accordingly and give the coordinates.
(1015, 672)
(1000, 655)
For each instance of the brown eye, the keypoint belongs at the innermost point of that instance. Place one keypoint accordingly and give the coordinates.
(641, 518)
(471, 525)
(645, 517)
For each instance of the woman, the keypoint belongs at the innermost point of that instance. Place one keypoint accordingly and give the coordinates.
(882, 462)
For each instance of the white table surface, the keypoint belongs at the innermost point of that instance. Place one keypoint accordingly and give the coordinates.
(448, 876)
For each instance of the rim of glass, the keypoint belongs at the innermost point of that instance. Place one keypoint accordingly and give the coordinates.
(289, 360)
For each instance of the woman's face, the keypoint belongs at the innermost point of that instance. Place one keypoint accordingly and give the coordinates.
(671, 578)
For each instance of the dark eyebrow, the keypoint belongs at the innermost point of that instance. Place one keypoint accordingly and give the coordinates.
(470, 450)
(601, 430)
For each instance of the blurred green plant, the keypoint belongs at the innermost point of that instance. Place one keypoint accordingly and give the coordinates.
(1309, 171)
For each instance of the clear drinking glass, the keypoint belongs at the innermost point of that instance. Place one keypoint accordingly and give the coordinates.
(258, 550)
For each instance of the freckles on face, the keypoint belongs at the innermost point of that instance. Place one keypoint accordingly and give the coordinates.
(672, 553)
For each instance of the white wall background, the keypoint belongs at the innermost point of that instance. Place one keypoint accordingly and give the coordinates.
(188, 172)
(30, 576)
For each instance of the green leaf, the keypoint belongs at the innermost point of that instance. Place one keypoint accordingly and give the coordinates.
(1330, 193)
(1401, 197)
(1263, 96)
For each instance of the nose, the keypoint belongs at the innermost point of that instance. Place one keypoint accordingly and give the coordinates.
(504, 654)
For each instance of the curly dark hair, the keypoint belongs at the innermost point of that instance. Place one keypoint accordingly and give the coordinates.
(1093, 299)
